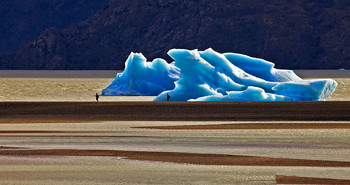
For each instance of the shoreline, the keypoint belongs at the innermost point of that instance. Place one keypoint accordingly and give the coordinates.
(303, 73)
(58, 112)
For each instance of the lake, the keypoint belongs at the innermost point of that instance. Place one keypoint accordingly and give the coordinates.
(20, 85)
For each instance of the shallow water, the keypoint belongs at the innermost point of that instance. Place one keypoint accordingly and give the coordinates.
(107, 170)
(322, 144)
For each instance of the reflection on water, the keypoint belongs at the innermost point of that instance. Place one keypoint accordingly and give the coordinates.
(82, 86)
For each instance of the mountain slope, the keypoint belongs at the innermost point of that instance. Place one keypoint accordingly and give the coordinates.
(302, 34)
(26, 19)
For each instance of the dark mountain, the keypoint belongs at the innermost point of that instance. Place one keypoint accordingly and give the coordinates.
(26, 19)
(300, 34)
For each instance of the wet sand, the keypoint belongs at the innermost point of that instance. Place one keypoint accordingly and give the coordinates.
(283, 179)
(24, 112)
(186, 158)
(32, 129)
(257, 126)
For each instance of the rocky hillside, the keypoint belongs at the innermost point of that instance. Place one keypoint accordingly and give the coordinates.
(26, 19)
(300, 34)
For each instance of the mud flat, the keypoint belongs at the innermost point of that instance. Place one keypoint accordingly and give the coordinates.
(173, 111)
(174, 142)
(285, 179)
(186, 158)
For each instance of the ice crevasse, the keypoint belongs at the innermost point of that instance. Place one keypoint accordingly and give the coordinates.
(211, 76)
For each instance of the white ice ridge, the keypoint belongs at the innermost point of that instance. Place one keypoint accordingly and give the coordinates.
(212, 76)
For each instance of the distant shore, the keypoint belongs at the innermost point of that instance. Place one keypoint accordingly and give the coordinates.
(59, 73)
(173, 111)
(323, 73)
(112, 73)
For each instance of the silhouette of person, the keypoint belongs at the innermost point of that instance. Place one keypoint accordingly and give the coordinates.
(97, 96)
(167, 97)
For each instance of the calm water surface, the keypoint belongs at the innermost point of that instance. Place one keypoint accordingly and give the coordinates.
(59, 86)
(82, 85)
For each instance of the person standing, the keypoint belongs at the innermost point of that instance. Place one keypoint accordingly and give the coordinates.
(97, 96)
(167, 97)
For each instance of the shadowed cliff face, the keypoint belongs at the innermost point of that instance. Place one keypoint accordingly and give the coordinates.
(300, 34)
(26, 19)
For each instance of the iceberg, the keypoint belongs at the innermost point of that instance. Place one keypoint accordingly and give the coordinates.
(211, 76)
(142, 78)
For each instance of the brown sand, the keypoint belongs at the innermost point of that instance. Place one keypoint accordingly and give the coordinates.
(23, 112)
(70, 112)
(42, 120)
(257, 126)
(66, 136)
(283, 179)
(46, 132)
(187, 158)
(6, 147)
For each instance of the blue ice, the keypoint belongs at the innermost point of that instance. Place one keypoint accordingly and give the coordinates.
(142, 78)
(212, 76)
